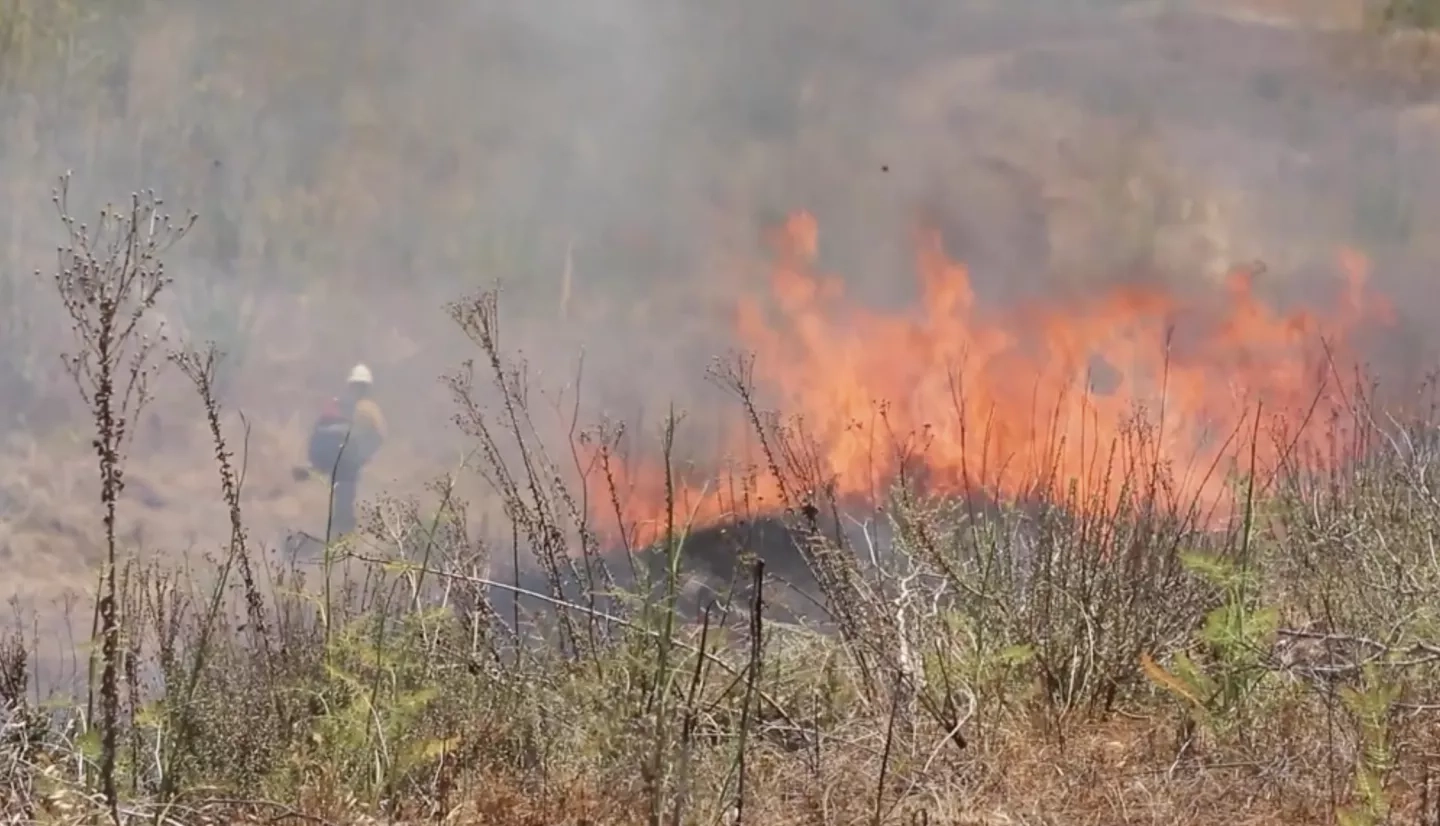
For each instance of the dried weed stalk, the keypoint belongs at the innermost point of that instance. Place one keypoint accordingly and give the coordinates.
(108, 277)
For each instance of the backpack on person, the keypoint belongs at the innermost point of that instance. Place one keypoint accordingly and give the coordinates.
(328, 436)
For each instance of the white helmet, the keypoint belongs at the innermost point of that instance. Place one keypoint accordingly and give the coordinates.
(360, 374)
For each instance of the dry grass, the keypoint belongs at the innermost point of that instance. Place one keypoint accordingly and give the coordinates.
(1062, 661)
(1059, 662)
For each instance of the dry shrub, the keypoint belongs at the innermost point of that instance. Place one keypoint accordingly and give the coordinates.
(1052, 657)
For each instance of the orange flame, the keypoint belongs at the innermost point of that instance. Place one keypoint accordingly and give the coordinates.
(1008, 400)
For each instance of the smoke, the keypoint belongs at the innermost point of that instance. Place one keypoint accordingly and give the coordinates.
(357, 164)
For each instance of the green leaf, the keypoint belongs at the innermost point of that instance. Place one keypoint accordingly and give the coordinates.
(1171, 681)
(1015, 655)
(89, 744)
(1212, 569)
(1199, 682)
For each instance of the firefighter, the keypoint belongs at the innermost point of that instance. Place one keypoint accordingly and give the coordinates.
(343, 440)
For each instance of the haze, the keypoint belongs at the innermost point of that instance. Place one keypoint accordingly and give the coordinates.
(358, 164)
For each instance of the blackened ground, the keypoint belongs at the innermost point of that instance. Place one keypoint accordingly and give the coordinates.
(718, 563)
(715, 567)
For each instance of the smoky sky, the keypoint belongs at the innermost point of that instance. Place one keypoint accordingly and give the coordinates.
(414, 152)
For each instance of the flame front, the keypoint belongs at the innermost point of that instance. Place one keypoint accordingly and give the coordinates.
(1010, 400)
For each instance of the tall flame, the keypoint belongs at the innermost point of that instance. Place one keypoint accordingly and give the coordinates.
(1011, 399)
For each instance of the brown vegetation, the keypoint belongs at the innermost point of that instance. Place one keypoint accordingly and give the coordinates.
(495, 648)
(1075, 659)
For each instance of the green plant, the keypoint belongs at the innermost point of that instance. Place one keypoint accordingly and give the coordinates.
(1235, 640)
(1371, 704)
(375, 694)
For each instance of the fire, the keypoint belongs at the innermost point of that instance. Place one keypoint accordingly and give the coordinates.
(1067, 396)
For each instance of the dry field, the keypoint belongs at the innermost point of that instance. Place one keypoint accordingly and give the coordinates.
(1029, 387)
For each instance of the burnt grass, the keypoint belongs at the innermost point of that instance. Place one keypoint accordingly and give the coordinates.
(715, 570)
